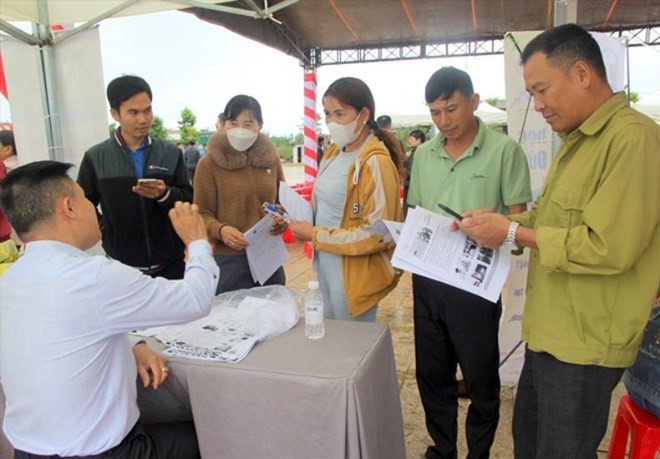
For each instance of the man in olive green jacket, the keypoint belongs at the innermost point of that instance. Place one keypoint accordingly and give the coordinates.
(595, 248)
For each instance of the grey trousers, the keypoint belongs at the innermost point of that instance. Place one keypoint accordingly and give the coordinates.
(561, 409)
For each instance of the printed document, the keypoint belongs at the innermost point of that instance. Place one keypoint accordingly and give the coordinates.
(295, 205)
(265, 252)
(426, 247)
(231, 330)
(390, 230)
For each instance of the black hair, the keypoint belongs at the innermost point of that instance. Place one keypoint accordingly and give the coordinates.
(28, 193)
(238, 104)
(384, 121)
(355, 93)
(7, 140)
(445, 82)
(124, 87)
(418, 134)
(566, 44)
(191, 142)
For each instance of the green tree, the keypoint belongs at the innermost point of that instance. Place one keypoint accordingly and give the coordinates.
(633, 97)
(319, 122)
(187, 130)
(157, 129)
(492, 101)
(284, 144)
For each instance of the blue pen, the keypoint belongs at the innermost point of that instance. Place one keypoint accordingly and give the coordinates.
(273, 209)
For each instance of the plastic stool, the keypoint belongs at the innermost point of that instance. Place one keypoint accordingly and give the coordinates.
(644, 429)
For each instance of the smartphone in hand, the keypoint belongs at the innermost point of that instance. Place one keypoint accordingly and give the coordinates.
(146, 181)
(273, 209)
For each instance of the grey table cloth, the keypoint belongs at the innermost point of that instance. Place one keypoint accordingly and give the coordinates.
(290, 398)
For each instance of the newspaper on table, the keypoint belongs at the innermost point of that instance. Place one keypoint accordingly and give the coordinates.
(265, 253)
(426, 247)
(237, 322)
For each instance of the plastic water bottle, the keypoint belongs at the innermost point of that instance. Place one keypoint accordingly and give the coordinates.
(314, 320)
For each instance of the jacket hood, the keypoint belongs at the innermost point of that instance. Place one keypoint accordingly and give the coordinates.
(262, 154)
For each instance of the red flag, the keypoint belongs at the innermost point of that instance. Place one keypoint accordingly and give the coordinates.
(3, 81)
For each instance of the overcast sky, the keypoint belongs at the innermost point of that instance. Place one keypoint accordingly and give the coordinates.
(191, 63)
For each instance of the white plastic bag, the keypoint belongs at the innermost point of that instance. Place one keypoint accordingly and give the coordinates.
(237, 322)
(268, 311)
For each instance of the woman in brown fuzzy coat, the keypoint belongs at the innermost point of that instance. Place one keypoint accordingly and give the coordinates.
(239, 172)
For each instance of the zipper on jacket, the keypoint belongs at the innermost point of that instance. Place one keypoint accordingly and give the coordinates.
(356, 172)
(145, 224)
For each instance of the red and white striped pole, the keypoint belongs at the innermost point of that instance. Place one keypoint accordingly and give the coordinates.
(310, 141)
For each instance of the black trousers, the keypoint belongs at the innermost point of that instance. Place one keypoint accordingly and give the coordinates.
(456, 327)
(235, 274)
(175, 440)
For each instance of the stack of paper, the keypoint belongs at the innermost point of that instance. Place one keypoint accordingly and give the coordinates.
(265, 253)
(297, 208)
(426, 247)
(231, 330)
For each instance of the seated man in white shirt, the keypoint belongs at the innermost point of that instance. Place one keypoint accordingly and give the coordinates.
(65, 359)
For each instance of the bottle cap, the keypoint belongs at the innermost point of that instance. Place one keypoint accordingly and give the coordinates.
(313, 285)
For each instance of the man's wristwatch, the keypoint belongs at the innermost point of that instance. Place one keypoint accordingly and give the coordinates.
(510, 240)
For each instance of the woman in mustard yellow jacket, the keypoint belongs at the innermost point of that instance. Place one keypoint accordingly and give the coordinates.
(357, 185)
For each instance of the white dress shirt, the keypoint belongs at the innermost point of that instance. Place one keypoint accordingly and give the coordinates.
(66, 365)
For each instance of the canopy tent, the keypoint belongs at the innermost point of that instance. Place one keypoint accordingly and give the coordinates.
(485, 111)
(86, 13)
(490, 114)
(297, 26)
(312, 29)
(377, 30)
(54, 73)
(650, 106)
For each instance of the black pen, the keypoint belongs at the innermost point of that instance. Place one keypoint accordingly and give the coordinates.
(451, 212)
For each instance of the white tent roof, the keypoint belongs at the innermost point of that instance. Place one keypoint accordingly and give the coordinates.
(490, 114)
(485, 111)
(408, 121)
(86, 13)
(649, 105)
(75, 11)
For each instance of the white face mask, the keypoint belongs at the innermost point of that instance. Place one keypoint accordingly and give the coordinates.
(241, 139)
(343, 134)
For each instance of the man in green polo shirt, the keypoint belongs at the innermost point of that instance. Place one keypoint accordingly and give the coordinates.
(465, 166)
(594, 235)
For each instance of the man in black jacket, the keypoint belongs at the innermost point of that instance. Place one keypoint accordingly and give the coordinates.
(136, 179)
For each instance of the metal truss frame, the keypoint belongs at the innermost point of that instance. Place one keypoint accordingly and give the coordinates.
(486, 46)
